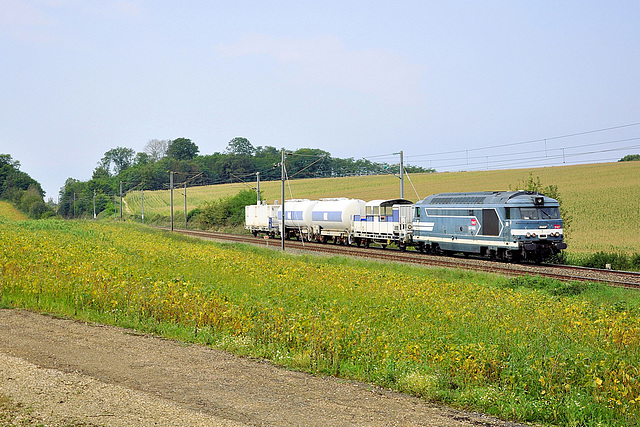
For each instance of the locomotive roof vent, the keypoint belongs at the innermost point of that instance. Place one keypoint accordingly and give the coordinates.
(538, 201)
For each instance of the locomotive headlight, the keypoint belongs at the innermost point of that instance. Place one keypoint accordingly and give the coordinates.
(557, 234)
(533, 235)
(528, 235)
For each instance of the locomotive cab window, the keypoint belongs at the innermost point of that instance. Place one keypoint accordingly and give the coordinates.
(549, 213)
(540, 213)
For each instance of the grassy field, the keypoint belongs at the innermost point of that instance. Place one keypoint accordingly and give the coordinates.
(569, 355)
(9, 212)
(602, 199)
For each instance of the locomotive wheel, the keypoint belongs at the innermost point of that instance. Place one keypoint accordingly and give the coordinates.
(513, 256)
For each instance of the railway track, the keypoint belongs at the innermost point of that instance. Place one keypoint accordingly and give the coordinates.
(625, 279)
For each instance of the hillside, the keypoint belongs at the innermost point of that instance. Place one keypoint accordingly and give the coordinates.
(603, 199)
(9, 212)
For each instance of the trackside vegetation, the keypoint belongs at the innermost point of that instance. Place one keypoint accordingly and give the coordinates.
(523, 349)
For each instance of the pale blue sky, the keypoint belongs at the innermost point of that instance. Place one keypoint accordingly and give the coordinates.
(355, 78)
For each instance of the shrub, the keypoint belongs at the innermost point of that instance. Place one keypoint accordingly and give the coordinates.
(548, 285)
(618, 261)
(226, 212)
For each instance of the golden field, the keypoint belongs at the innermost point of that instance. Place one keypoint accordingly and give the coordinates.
(603, 199)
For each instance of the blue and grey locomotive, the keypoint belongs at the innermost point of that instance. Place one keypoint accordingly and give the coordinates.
(504, 225)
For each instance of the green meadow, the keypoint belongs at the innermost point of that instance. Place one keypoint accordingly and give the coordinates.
(525, 349)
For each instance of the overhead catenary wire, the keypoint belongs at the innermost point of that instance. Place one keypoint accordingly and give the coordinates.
(308, 166)
(527, 161)
(527, 141)
(411, 182)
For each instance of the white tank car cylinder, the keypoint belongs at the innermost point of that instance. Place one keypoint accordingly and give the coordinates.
(335, 215)
(297, 213)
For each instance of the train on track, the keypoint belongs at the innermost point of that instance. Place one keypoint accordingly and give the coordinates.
(501, 225)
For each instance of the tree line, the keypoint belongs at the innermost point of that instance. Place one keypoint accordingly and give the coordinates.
(24, 192)
(240, 161)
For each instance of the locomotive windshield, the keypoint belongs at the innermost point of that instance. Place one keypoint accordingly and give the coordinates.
(538, 213)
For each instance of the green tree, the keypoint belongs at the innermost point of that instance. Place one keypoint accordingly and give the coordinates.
(630, 158)
(535, 185)
(182, 149)
(240, 146)
(142, 159)
(20, 189)
(120, 157)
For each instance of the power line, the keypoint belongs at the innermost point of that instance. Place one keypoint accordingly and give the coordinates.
(529, 161)
(527, 142)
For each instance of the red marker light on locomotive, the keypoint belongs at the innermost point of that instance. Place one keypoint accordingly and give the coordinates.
(557, 226)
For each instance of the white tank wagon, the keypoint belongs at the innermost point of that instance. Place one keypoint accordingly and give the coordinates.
(385, 222)
(262, 219)
(297, 213)
(332, 218)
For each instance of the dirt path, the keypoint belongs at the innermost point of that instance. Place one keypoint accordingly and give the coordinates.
(71, 372)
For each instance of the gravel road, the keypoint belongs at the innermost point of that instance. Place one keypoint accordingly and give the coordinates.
(65, 372)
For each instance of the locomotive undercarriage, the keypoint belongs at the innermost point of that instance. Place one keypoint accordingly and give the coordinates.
(533, 252)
